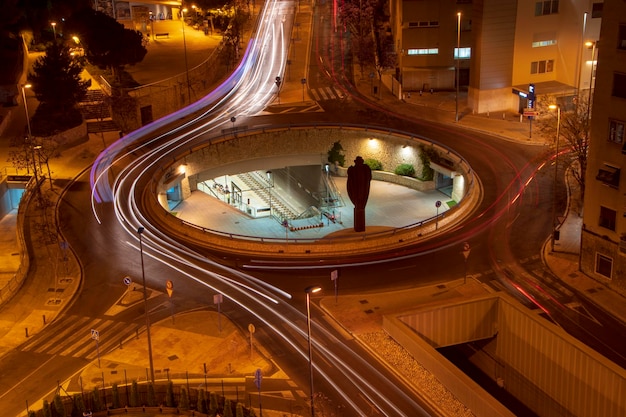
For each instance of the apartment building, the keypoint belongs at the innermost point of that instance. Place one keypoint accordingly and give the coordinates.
(603, 247)
(504, 45)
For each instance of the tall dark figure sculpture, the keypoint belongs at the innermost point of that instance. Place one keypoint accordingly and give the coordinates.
(359, 177)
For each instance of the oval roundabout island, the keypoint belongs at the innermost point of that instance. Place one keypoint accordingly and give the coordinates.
(273, 192)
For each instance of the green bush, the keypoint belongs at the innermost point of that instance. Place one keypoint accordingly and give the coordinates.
(407, 170)
(374, 164)
(335, 154)
(426, 155)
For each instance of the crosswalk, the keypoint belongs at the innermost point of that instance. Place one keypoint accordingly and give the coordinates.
(326, 93)
(73, 336)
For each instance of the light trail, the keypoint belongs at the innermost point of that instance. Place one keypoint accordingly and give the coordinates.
(247, 91)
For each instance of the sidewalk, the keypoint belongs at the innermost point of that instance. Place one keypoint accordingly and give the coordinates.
(438, 107)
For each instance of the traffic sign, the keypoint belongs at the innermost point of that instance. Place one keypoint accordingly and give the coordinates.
(334, 275)
(258, 376)
(531, 113)
(169, 286)
(251, 328)
(127, 280)
(466, 250)
(438, 204)
(95, 335)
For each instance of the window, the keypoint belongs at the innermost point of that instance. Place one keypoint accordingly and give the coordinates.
(423, 51)
(539, 44)
(622, 37)
(540, 67)
(462, 53)
(544, 39)
(619, 85)
(604, 265)
(596, 10)
(546, 7)
(607, 218)
(616, 131)
(424, 24)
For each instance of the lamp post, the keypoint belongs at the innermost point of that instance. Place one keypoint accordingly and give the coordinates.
(140, 230)
(556, 168)
(310, 290)
(30, 134)
(458, 68)
(186, 64)
(269, 189)
(54, 30)
(593, 46)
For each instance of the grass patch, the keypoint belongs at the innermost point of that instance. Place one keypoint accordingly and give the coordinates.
(451, 203)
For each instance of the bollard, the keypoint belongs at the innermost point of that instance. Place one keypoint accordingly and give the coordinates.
(44, 319)
(26, 330)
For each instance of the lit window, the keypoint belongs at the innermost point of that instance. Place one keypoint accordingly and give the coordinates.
(604, 265)
(462, 53)
(539, 44)
(424, 51)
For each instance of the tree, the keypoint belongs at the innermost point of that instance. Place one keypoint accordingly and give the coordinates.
(116, 397)
(574, 132)
(169, 395)
(184, 400)
(56, 78)
(58, 405)
(134, 394)
(57, 84)
(107, 43)
(151, 395)
(96, 401)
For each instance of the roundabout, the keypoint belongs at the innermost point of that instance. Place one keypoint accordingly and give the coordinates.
(181, 200)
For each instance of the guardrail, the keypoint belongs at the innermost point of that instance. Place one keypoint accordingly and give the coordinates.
(328, 246)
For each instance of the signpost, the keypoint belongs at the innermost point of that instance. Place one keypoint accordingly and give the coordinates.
(95, 335)
(169, 286)
(251, 329)
(217, 299)
(466, 252)
(531, 108)
(334, 277)
(437, 204)
(258, 376)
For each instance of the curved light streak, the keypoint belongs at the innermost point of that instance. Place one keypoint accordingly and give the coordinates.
(249, 89)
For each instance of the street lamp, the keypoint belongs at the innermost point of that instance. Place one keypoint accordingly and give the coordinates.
(30, 134)
(54, 30)
(458, 68)
(269, 189)
(310, 290)
(140, 230)
(186, 64)
(593, 46)
(556, 168)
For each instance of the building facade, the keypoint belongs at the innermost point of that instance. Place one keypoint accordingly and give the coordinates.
(505, 45)
(603, 247)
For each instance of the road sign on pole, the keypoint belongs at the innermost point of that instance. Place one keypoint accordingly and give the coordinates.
(169, 286)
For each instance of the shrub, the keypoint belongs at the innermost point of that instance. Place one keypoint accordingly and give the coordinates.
(95, 396)
(184, 400)
(407, 170)
(169, 395)
(335, 154)
(427, 155)
(151, 395)
(374, 164)
(116, 397)
(58, 406)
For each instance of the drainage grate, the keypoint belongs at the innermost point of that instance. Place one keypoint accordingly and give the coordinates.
(172, 358)
(363, 301)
